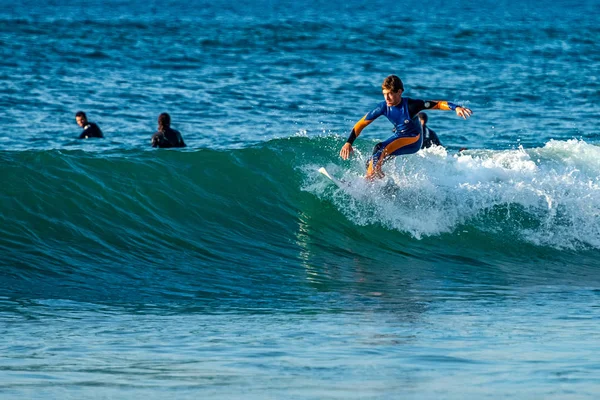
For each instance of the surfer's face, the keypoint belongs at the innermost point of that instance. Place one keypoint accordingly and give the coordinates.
(80, 121)
(392, 98)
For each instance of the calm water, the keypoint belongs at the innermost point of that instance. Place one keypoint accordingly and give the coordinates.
(232, 269)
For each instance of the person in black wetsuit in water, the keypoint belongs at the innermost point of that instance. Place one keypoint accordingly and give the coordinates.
(166, 137)
(429, 136)
(90, 129)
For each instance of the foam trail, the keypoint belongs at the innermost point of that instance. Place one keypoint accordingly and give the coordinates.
(546, 196)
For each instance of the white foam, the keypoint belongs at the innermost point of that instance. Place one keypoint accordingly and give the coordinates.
(546, 196)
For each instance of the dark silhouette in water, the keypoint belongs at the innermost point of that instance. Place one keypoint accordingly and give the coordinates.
(166, 137)
(90, 129)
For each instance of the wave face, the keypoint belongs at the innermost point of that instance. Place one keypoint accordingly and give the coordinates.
(256, 223)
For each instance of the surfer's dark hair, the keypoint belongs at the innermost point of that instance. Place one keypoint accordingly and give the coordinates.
(164, 121)
(423, 116)
(81, 114)
(392, 83)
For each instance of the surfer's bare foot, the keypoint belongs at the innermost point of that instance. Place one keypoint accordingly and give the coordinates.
(377, 174)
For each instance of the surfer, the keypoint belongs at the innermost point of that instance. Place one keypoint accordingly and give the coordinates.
(166, 137)
(402, 112)
(429, 136)
(90, 129)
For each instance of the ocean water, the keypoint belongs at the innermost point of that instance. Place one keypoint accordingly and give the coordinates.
(232, 268)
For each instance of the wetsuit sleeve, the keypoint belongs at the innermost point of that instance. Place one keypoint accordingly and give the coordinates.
(434, 138)
(181, 142)
(97, 131)
(415, 106)
(92, 131)
(156, 139)
(366, 120)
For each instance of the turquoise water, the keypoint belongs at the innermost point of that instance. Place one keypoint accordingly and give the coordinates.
(232, 268)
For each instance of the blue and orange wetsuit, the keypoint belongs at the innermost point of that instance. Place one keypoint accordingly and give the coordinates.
(407, 138)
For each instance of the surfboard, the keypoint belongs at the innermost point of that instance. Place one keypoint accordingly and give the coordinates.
(339, 183)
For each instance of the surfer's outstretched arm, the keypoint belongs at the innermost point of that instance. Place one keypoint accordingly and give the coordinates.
(416, 106)
(358, 127)
(356, 130)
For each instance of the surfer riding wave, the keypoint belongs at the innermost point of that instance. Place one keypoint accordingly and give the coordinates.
(402, 112)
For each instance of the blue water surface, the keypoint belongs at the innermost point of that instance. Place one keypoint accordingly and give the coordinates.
(231, 268)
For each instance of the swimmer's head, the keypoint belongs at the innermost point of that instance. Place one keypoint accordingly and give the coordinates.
(164, 121)
(423, 118)
(81, 118)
